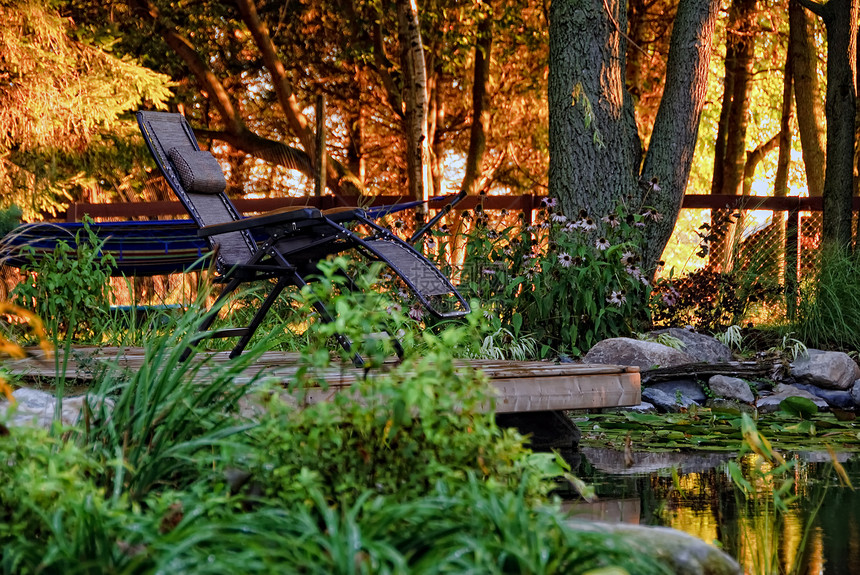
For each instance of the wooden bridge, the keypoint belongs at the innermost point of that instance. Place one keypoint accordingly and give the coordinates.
(519, 386)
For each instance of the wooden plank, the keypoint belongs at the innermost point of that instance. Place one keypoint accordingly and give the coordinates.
(518, 386)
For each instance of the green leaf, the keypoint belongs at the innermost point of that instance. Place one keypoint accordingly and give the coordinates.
(798, 406)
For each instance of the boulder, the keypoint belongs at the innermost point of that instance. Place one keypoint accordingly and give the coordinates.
(38, 408)
(770, 403)
(643, 407)
(731, 388)
(855, 393)
(700, 346)
(833, 397)
(682, 553)
(826, 369)
(634, 352)
(665, 402)
(687, 387)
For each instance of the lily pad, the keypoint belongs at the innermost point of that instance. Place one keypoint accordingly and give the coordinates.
(799, 407)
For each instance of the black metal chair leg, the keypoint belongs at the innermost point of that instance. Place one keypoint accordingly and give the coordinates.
(212, 314)
(261, 313)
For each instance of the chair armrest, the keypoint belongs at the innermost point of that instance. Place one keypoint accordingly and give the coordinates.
(269, 219)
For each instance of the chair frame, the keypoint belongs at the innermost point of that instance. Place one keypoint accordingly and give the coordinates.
(291, 242)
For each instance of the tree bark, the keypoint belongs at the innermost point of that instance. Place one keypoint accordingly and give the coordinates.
(594, 146)
(754, 158)
(780, 184)
(480, 108)
(673, 141)
(414, 96)
(730, 149)
(840, 19)
(807, 96)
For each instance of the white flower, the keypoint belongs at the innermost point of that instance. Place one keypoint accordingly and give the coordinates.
(587, 224)
(564, 259)
(602, 244)
(395, 308)
(616, 298)
(549, 202)
(628, 258)
(612, 220)
(416, 313)
(652, 214)
(570, 227)
(559, 218)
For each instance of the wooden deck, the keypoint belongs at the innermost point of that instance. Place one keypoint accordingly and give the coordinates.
(519, 386)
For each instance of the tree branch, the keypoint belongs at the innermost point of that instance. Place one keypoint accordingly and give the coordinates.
(814, 7)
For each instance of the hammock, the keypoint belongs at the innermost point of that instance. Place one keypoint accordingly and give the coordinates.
(140, 248)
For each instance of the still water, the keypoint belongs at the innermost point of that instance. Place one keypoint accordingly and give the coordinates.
(695, 493)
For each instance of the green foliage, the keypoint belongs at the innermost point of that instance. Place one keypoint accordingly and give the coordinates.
(69, 287)
(408, 474)
(708, 300)
(10, 218)
(558, 282)
(398, 432)
(828, 310)
(663, 339)
(732, 337)
(65, 93)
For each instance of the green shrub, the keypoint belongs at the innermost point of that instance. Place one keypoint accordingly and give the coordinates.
(561, 282)
(69, 288)
(828, 310)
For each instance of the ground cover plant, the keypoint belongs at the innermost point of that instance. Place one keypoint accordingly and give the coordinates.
(164, 474)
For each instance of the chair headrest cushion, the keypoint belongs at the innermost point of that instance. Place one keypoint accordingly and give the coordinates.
(198, 170)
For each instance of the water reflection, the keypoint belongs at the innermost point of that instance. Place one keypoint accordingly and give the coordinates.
(818, 534)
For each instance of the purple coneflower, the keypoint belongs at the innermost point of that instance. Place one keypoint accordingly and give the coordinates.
(565, 260)
(549, 202)
(416, 313)
(628, 258)
(559, 218)
(616, 298)
(612, 220)
(602, 244)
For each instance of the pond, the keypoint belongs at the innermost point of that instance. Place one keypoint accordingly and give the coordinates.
(694, 492)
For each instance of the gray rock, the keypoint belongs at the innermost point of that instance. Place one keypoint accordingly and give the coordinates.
(643, 407)
(827, 369)
(681, 552)
(700, 346)
(771, 403)
(688, 387)
(833, 397)
(731, 388)
(665, 402)
(855, 393)
(634, 352)
(39, 408)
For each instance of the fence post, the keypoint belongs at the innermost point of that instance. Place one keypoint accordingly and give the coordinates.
(792, 228)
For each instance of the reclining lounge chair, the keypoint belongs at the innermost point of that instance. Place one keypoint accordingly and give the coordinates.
(293, 240)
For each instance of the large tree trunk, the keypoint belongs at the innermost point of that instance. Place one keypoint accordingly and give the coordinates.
(414, 96)
(807, 96)
(673, 141)
(840, 18)
(594, 147)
